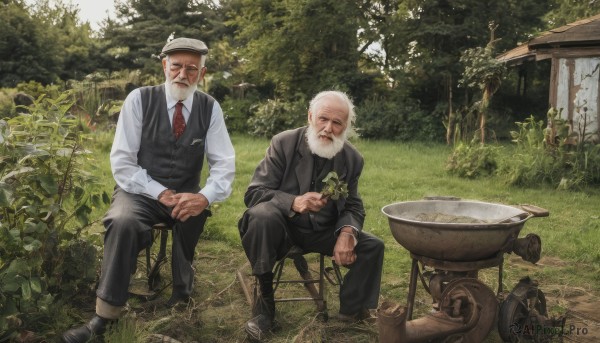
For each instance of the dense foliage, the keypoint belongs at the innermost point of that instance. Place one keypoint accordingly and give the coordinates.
(547, 153)
(544, 153)
(390, 50)
(46, 197)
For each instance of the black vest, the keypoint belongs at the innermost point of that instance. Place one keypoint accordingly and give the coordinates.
(174, 163)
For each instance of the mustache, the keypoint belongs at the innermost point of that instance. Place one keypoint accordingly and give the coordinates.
(174, 81)
(325, 134)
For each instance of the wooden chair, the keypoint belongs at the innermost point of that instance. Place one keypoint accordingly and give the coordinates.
(316, 287)
(153, 265)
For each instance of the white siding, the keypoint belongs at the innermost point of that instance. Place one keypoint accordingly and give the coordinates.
(584, 92)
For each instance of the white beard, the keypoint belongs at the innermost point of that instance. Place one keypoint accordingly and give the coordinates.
(179, 93)
(321, 148)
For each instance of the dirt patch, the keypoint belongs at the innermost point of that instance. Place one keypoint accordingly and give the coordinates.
(582, 317)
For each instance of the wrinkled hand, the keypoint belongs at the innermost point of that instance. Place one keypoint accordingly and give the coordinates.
(166, 198)
(343, 251)
(309, 202)
(188, 205)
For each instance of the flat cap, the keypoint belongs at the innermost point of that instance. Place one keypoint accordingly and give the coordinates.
(185, 44)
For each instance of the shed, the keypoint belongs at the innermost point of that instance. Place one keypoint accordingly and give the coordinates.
(574, 50)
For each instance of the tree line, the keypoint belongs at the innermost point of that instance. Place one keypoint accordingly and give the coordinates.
(399, 59)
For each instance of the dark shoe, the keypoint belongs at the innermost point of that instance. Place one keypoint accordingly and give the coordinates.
(178, 300)
(264, 315)
(363, 315)
(258, 327)
(96, 327)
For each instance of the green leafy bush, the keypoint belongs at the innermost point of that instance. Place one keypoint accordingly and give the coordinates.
(36, 89)
(237, 112)
(382, 118)
(45, 202)
(473, 159)
(7, 105)
(274, 116)
(552, 154)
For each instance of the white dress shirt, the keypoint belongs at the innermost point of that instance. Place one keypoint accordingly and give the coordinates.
(132, 178)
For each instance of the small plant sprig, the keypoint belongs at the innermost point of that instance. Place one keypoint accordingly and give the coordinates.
(334, 188)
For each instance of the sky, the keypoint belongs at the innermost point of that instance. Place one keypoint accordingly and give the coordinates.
(94, 11)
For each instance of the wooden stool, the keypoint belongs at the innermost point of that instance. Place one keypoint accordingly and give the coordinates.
(153, 270)
(153, 266)
(317, 294)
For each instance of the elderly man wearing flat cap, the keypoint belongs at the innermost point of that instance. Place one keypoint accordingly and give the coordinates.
(162, 136)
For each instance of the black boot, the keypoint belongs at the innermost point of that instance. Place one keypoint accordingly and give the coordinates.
(178, 300)
(96, 327)
(263, 311)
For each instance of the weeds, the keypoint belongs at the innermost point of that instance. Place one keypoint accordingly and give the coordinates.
(553, 154)
(473, 159)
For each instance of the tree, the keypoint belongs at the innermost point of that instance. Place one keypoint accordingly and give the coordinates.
(484, 72)
(25, 52)
(299, 47)
(142, 27)
(43, 43)
(428, 36)
(73, 38)
(567, 11)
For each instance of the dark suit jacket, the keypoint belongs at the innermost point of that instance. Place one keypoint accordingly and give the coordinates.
(286, 172)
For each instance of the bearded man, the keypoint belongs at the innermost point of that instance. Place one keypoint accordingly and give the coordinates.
(162, 136)
(286, 208)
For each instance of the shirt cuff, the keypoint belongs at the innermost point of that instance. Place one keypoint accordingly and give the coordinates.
(209, 194)
(153, 189)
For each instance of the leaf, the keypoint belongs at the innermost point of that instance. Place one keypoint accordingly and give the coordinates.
(334, 188)
(95, 200)
(82, 214)
(79, 192)
(26, 289)
(16, 173)
(36, 285)
(10, 285)
(49, 184)
(33, 246)
(105, 197)
(6, 197)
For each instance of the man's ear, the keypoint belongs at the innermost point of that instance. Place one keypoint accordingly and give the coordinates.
(202, 73)
(309, 116)
(164, 64)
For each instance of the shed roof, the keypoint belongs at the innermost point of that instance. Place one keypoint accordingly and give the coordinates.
(582, 33)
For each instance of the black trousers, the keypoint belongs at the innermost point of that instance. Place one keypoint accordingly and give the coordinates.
(128, 224)
(268, 235)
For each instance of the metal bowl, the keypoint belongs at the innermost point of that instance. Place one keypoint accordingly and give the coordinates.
(491, 230)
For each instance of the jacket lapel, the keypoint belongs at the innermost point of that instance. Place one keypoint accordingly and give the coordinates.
(339, 165)
(305, 164)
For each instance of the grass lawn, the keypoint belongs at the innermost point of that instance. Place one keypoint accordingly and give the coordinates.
(569, 271)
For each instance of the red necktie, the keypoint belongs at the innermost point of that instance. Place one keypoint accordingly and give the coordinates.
(178, 121)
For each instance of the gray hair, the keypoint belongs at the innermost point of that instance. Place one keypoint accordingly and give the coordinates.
(317, 102)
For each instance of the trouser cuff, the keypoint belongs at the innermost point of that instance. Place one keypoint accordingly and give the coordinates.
(106, 310)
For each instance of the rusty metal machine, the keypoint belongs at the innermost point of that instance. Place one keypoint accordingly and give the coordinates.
(450, 241)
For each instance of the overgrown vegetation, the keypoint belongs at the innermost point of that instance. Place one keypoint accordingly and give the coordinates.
(46, 197)
(552, 153)
(274, 116)
(544, 153)
(473, 159)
